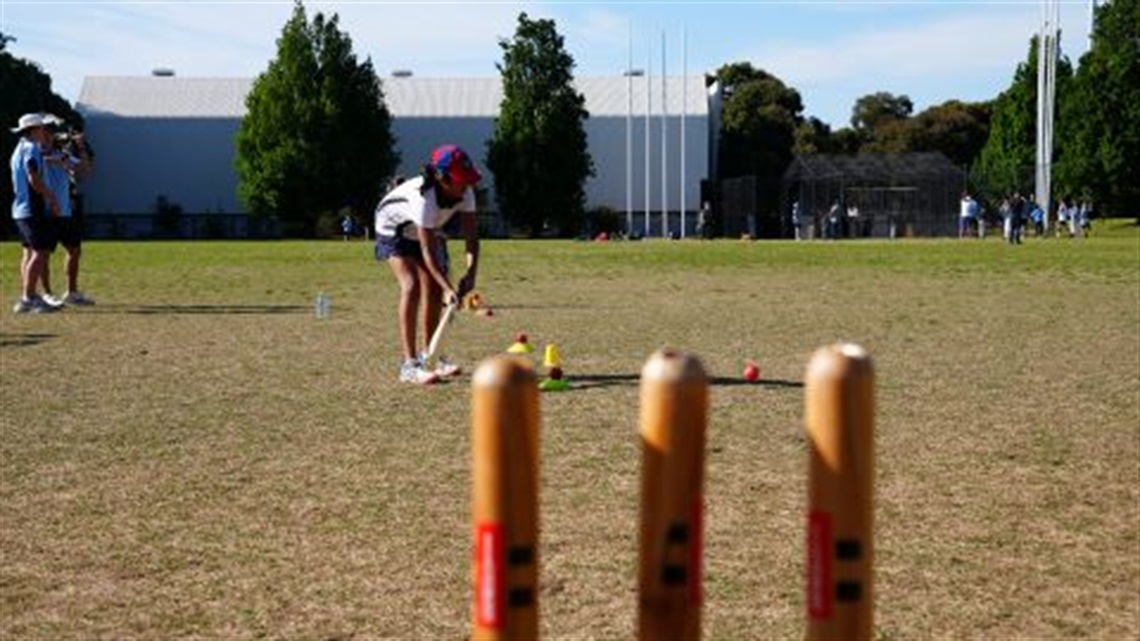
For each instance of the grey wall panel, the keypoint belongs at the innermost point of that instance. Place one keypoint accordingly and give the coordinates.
(608, 146)
(190, 161)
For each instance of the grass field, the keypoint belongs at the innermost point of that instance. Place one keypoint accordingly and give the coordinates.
(198, 456)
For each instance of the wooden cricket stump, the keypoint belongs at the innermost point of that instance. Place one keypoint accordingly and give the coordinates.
(505, 446)
(674, 416)
(839, 417)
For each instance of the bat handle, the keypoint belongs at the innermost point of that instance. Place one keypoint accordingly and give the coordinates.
(433, 344)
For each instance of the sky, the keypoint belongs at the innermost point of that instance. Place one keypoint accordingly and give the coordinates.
(833, 52)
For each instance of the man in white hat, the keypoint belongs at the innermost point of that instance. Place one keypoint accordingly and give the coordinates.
(33, 207)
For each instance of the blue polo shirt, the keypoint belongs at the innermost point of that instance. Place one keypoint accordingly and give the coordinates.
(57, 176)
(26, 202)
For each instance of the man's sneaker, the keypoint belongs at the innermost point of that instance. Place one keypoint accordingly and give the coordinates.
(78, 298)
(34, 305)
(444, 368)
(413, 372)
(52, 301)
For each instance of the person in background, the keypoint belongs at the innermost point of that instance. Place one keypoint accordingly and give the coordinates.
(1085, 213)
(65, 160)
(833, 216)
(33, 207)
(1063, 216)
(1037, 215)
(704, 222)
(409, 237)
(1016, 218)
(347, 226)
(1074, 218)
(967, 212)
(853, 225)
(1005, 210)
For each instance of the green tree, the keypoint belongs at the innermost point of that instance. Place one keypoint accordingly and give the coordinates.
(957, 129)
(1008, 158)
(26, 89)
(891, 136)
(758, 123)
(1099, 128)
(317, 135)
(849, 140)
(538, 152)
(875, 110)
(813, 136)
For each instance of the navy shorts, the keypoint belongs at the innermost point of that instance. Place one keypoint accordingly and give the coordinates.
(70, 231)
(404, 247)
(37, 233)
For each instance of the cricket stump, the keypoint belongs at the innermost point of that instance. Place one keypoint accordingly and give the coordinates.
(839, 417)
(505, 427)
(674, 416)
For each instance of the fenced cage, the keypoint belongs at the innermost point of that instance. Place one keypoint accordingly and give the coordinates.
(871, 196)
(748, 205)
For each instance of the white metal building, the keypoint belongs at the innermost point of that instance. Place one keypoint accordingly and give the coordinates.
(174, 137)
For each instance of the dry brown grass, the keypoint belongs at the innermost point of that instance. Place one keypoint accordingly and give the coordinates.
(198, 457)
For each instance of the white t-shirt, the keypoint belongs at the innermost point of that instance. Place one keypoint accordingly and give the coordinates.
(404, 209)
(968, 208)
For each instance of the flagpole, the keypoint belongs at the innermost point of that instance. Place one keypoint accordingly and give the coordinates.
(684, 112)
(648, 111)
(664, 146)
(629, 137)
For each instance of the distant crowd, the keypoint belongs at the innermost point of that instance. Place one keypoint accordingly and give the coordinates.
(1015, 212)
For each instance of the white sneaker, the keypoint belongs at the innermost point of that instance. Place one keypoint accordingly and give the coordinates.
(444, 368)
(413, 372)
(78, 298)
(34, 305)
(52, 301)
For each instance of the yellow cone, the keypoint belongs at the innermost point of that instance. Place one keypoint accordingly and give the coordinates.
(550, 357)
(520, 348)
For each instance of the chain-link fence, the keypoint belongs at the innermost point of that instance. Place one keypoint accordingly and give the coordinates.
(871, 196)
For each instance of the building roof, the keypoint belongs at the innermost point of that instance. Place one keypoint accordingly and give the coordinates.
(179, 97)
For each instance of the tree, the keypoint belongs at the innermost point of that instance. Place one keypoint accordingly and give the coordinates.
(758, 122)
(1008, 158)
(1099, 128)
(892, 136)
(27, 89)
(813, 136)
(317, 135)
(957, 129)
(538, 152)
(882, 124)
(849, 140)
(875, 110)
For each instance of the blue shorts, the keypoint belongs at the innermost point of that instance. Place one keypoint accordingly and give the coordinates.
(404, 247)
(70, 232)
(37, 233)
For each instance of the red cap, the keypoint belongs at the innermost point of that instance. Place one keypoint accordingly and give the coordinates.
(453, 162)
